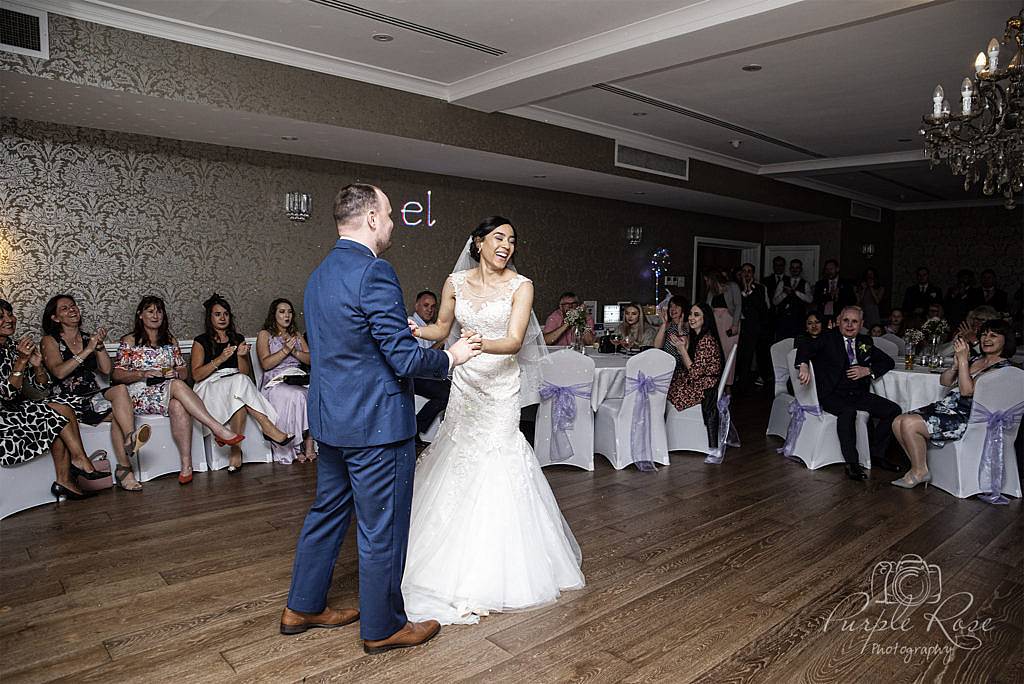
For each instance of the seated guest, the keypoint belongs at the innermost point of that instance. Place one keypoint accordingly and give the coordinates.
(877, 330)
(221, 370)
(755, 336)
(634, 331)
(73, 358)
(988, 294)
(283, 352)
(845, 363)
(869, 296)
(150, 363)
(946, 420)
(968, 330)
(958, 297)
(918, 297)
(673, 322)
(812, 328)
(557, 332)
(896, 325)
(29, 428)
(700, 350)
(433, 390)
(726, 301)
(832, 293)
(790, 299)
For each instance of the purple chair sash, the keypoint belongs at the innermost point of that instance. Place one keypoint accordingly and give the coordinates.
(798, 413)
(727, 436)
(640, 430)
(563, 415)
(990, 473)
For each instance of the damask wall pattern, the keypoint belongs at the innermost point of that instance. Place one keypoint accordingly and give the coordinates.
(111, 217)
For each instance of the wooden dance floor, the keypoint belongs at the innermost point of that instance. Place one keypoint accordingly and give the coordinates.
(695, 573)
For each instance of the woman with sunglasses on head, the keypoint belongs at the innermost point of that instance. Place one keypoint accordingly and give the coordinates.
(73, 358)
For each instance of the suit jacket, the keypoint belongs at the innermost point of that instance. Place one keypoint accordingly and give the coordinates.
(828, 352)
(846, 295)
(999, 301)
(362, 352)
(770, 282)
(914, 299)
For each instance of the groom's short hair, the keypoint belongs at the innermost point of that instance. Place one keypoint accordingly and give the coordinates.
(354, 200)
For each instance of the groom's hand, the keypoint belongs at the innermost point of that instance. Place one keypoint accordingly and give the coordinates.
(465, 349)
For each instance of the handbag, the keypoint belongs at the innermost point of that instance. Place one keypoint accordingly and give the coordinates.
(300, 380)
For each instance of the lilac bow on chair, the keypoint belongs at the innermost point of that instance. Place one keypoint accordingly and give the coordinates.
(727, 436)
(640, 430)
(798, 413)
(990, 473)
(563, 414)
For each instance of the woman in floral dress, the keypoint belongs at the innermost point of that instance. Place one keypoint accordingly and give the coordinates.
(150, 363)
(946, 420)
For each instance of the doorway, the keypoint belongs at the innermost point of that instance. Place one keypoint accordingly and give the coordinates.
(727, 255)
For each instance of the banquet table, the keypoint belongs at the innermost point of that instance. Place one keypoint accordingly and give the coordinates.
(910, 389)
(609, 375)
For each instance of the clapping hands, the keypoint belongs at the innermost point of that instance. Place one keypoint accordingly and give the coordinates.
(961, 350)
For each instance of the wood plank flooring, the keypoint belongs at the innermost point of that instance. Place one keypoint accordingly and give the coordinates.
(739, 572)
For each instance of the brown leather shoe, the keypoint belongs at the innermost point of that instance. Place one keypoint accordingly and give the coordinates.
(294, 622)
(413, 634)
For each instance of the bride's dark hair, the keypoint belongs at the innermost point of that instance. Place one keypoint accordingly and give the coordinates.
(485, 228)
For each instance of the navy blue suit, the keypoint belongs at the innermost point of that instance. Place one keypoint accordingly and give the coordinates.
(361, 412)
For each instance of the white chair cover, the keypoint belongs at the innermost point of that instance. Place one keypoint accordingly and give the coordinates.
(815, 441)
(568, 374)
(612, 426)
(955, 467)
(778, 419)
(255, 447)
(685, 429)
(26, 485)
(887, 346)
(897, 340)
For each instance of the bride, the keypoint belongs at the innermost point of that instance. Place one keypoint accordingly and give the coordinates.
(486, 533)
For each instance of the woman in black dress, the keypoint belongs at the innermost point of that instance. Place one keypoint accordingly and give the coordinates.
(73, 358)
(946, 420)
(28, 428)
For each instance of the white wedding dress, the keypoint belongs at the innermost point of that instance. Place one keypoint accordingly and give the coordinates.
(486, 533)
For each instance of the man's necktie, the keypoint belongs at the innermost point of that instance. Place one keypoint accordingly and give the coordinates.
(849, 351)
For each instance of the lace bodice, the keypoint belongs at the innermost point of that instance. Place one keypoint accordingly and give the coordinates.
(487, 313)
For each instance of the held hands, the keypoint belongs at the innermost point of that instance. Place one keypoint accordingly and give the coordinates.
(465, 349)
(857, 372)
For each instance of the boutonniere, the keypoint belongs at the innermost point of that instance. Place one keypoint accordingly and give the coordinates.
(864, 347)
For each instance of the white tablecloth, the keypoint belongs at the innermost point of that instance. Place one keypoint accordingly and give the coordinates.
(910, 389)
(609, 375)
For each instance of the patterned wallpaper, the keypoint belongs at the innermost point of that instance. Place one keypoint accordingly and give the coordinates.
(111, 217)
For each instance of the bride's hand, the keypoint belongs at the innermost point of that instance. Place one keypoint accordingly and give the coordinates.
(467, 333)
(413, 327)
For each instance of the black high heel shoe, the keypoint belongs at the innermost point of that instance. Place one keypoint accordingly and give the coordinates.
(59, 492)
(78, 472)
(281, 443)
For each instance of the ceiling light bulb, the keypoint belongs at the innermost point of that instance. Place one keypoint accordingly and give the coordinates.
(993, 54)
(980, 62)
(937, 96)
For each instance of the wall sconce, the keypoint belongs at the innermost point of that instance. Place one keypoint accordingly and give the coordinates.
(297, 205)
(634, 234)
(867, 250)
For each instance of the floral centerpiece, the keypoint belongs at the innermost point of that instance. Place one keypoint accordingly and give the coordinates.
(577, 320)
(935, 328)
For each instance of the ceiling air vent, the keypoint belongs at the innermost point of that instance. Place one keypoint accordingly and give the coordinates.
(23, 30)
(868, 212)
(642, 160)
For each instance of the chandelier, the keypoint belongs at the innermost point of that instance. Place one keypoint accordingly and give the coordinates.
(986, 138)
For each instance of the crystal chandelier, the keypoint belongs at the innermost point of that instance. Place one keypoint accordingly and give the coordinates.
(987, 136)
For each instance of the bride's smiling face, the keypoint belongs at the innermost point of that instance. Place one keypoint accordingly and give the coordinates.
(497, 247)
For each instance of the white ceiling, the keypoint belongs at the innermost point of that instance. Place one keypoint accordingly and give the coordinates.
(842, 80)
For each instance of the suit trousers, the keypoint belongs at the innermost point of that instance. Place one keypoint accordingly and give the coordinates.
(378, 482)
(436, 393)
(844, 404)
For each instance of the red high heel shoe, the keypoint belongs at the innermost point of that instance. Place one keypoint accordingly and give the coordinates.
(237, 439)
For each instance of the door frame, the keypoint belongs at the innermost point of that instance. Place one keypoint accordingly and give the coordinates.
(749, 252)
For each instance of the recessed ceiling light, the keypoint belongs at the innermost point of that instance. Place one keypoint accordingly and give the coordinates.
(904, 140)
(751, 67)
(640, 193)
(639, 113)
(540, 175)
(290, 138)
(382, 37)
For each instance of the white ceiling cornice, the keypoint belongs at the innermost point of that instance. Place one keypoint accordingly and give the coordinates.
(225, 41)
(861, 162)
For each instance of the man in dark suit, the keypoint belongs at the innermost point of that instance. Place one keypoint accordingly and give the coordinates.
(918, 298)
(845, 364)
(988, 294)
(790, 299)
(772, 281)
(832, 293)
(361, 413)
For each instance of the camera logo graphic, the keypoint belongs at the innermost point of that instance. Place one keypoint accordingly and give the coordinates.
(910, 581)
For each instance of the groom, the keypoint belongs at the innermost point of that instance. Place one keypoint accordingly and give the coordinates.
(361, 414)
